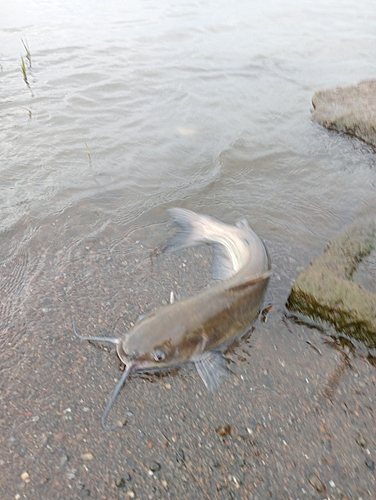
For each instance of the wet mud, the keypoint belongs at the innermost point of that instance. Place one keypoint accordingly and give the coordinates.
(294, 419)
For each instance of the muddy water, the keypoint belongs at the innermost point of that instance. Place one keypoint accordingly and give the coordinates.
(131, 108)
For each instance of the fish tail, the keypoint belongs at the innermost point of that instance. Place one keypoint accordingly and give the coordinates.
(192, 229)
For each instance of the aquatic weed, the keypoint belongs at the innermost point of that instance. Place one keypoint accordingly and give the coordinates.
(23, 65)
(88, 154)
(27, 50)
(29, 112)
(24, 72)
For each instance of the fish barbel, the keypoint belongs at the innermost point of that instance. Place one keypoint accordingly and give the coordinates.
(193, 329)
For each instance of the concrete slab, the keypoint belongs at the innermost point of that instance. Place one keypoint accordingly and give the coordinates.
(326, 290)
(351, 110)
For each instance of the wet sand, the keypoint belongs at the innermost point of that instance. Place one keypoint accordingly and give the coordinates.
(295, 419)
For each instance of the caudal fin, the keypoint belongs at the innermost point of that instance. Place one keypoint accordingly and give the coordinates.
(191, 229)
(196, 229)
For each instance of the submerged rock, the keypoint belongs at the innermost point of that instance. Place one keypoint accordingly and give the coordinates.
(325, 290)
(351, 110)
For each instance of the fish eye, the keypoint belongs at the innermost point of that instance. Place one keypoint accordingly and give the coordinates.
(159, 355)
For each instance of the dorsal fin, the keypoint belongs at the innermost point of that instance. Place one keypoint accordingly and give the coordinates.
(242, 223)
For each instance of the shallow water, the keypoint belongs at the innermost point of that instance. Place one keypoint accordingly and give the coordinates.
(137, 106)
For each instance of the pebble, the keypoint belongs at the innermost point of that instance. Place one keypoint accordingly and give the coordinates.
(224, 430)
(316, 483)
(25, 477)
(370, 464)
(154, 466)
(87, 456)
(131, 494)
(63, 460)
(120, 483)
(361, 441)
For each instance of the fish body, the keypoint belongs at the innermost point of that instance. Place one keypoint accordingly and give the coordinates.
(193, 329)
(185, 330)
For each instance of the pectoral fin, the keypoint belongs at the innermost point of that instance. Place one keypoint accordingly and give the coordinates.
(211, 365)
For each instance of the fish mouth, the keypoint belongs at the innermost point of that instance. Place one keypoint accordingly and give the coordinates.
(122, 355)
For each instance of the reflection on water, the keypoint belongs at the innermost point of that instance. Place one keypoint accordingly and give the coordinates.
(143, 104)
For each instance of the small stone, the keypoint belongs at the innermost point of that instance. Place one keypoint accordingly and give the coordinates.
(120, 483)
(25, 477)
(71, 474)
(316, 483)
(224, 430)
(168, 386)
(87, 456)
(154, 466)
(361, 441)
(63, 460)
(131, 494)
(164, 483)
(370, 464)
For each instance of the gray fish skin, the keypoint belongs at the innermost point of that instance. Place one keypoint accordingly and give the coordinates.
(191, 330)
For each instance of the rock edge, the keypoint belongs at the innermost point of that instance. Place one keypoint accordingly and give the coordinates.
(351, 110)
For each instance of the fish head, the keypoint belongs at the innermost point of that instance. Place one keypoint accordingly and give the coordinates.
(154, 345)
